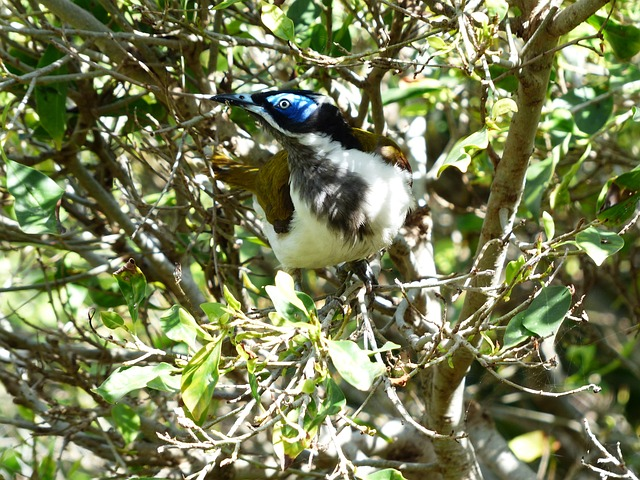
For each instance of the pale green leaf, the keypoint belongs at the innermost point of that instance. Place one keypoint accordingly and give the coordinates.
(178, 325)
(461, 153)
(275, 20)
(386, 474)
(127, 379)
(548, 224)
(353, 364)
(599, 244)
(199, 379)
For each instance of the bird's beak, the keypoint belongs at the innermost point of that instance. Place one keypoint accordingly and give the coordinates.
(235, 99)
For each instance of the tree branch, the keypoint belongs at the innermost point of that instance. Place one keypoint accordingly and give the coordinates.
(445, 398)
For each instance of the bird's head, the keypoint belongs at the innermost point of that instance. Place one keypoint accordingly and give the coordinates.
(294, 115)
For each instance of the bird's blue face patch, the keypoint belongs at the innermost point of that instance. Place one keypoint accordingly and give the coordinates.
(296, 108)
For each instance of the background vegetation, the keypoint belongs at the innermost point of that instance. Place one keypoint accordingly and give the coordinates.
(144, 331)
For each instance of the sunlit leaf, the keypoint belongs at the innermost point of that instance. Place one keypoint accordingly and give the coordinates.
(127, 379)
(539, 175)
(224, 4)
(461, 153)
(232, 302)
(560, 195)
(599, 244)
(217, 313)
(548, 224)
(418, 90)
(293, 306)
(386, 474)
(276, 21)
(513, 268)
(502, 107)
(178, 325)
(288, 440)
(353, 364)
(547, 311)
(497, 8)
(36, 198)
(619, 198)
(199, 380)
(530, 446)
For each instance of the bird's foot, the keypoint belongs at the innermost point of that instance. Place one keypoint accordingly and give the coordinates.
(363, 271)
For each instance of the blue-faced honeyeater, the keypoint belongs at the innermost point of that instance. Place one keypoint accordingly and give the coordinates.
(334, 194)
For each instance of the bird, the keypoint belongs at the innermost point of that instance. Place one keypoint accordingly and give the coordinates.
(334, 195)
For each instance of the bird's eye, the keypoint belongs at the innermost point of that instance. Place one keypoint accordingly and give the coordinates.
(284, 104)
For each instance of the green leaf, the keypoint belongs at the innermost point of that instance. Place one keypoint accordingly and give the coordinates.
(513, 268)
(386, 474)
(530, 446)
(224, 4)
(629, 180)
(335, 400)
(46, 469)
(318, 40)
(542, 318)
(127, 379)
(233, 303)
(547, 311)
(599, 244)
(624, 39)
(217, 313)
(291, 305)
(178, 325)
(560, 195)
(590, 108)
(36, 198)
(502, 107)
(288, 441)
(127, 422)
(353, 364)
(387, 347)
(515, 333)
(276, 21)
(619, 199)
(539, 175)
(420, 89)
(461, 153)
(199, 380)
(622, 210)
(133, 285)
(112, 320)
(342, 42)
(548, 224)
(51, 99)
(497, 8)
